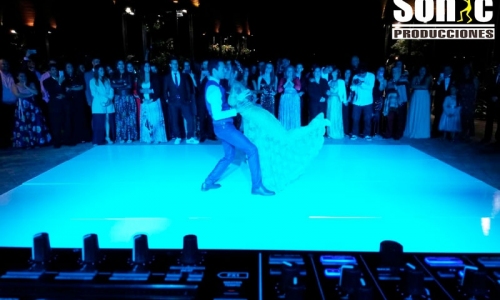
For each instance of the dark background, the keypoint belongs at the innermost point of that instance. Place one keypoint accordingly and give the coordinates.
(305, 31)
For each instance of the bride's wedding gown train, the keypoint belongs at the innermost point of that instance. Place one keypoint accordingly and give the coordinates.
(284, 154)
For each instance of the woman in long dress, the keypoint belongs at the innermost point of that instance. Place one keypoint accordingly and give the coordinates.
(284, 154)
(30, 129)
(152, 121)
(335, 101)
(126, 108)
(289, 109)
(74, 84)
(418, 122)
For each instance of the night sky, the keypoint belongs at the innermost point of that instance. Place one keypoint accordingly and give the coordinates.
(308, 30)
(313, 27)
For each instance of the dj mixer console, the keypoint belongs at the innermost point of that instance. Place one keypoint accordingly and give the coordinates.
(43, 272)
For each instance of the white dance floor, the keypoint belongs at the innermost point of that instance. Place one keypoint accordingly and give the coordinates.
(351, 198)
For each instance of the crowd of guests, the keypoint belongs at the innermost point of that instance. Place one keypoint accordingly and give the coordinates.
(69, 104)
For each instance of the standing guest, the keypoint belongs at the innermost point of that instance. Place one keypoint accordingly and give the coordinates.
(362, 104)
(304, 110)
(45, 94)
(152, 121)
(442, 90)
(125, 104)
(418, 123)
(89, 76)
(74, 85)
(401, 85)
(467, 88)
(449, 123)
(177, 92)
(267, 84)
(32, 73)
(493, 109)
(289, 109)
(337, 98)
(391, 111)
(103, 109)
(378, 101)
(135, 92)
(30, 129)
(9, 94)
(58, 108)
(88, 95)
(318, 91)
(193, 85)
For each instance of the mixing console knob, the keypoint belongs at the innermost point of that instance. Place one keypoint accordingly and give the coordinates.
(391, 254)
(140, 253)
(364, 293)
(289, 273)
(349, 279)
(190, 250)
(414, 283)
(474, 282)
(41, 248)
(295, 290)
(90, 249)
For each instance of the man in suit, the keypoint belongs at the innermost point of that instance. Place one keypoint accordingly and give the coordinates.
(493, 109)
(178, 92)
(442, 87)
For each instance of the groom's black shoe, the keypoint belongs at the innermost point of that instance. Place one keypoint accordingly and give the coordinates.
(209, 186)
(262, 191)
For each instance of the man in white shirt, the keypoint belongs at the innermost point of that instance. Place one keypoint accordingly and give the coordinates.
(362, 85)
(231, 138)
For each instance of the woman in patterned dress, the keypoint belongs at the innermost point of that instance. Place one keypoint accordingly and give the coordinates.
(30, 129)
(125, 105)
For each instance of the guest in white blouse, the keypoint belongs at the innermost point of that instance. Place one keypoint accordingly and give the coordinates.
(103, 109)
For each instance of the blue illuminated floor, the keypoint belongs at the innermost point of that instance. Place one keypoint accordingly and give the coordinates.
(351, 198)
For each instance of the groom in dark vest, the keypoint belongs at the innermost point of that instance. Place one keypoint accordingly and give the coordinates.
(231, 138)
